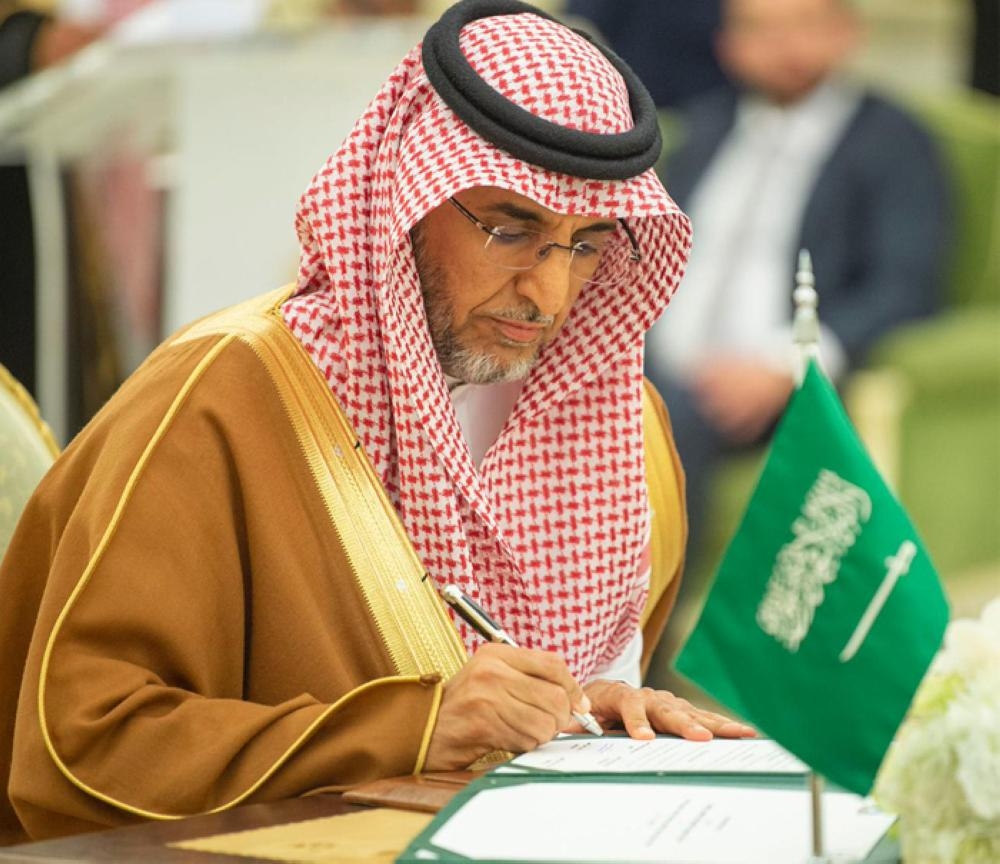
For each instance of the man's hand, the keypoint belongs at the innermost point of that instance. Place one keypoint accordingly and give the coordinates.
(741, 397)
(58, 40)
(645, 712)
(503, 699)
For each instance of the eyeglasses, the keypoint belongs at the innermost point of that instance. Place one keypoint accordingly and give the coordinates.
(514, 247)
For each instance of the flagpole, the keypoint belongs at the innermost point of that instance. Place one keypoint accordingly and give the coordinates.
(805, 325)
(819, 856)
(805, 333)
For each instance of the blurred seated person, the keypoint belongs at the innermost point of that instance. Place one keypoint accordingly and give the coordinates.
(798, 158)
(30, 39)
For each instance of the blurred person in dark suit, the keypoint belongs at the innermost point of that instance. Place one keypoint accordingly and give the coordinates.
(798, 158)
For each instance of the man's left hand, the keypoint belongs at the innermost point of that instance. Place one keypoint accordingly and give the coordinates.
(644, 712)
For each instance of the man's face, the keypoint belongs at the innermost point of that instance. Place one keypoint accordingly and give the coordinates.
(784, 48)
(489, 324)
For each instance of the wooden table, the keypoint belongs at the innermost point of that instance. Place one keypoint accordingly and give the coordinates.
(147, 843)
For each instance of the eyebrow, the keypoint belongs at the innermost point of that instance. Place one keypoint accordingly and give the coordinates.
(523, 214)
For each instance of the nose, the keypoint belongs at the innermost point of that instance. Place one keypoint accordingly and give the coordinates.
(549, 284)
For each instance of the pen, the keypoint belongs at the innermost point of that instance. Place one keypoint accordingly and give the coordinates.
(485, 626)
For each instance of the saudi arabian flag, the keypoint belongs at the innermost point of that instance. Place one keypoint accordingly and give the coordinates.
(826, 609)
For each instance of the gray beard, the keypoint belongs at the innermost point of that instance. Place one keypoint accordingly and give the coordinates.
(465, 365)
(457, 361)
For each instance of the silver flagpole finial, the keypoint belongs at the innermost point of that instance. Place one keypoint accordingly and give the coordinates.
(805, 325)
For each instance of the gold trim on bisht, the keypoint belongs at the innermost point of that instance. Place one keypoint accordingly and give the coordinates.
(84, 580)
(668, 515)
(403, 602)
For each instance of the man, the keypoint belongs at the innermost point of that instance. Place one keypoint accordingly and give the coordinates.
(243, 549)
(800, 159)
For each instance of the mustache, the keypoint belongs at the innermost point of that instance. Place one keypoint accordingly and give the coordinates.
(529, 314)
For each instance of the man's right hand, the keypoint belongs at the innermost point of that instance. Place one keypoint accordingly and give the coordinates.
(503, 699)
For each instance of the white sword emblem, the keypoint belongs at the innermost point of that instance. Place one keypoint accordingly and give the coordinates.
(898, 565)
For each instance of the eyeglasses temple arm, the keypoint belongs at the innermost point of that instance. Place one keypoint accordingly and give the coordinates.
(635, 254)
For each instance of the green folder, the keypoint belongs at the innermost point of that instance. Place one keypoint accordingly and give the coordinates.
(424, 849)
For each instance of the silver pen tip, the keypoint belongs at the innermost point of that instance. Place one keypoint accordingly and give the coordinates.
(590, 724)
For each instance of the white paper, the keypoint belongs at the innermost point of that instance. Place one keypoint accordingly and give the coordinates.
(646, 822)
(623, 755)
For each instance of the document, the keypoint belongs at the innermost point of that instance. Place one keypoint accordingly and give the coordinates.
(373, 836)
(601, 821)
(662, 755)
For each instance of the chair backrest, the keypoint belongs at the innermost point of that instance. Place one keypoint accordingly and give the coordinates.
(967, 128)
(27, 449)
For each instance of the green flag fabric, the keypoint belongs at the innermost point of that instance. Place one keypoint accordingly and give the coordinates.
(826, 610)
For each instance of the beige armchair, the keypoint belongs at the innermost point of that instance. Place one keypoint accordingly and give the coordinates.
(27, 449)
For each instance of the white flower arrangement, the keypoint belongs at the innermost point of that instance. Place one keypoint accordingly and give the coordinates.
(942, 774)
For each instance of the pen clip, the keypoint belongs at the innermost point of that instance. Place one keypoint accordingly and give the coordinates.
(475, 616)
(481, 612)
